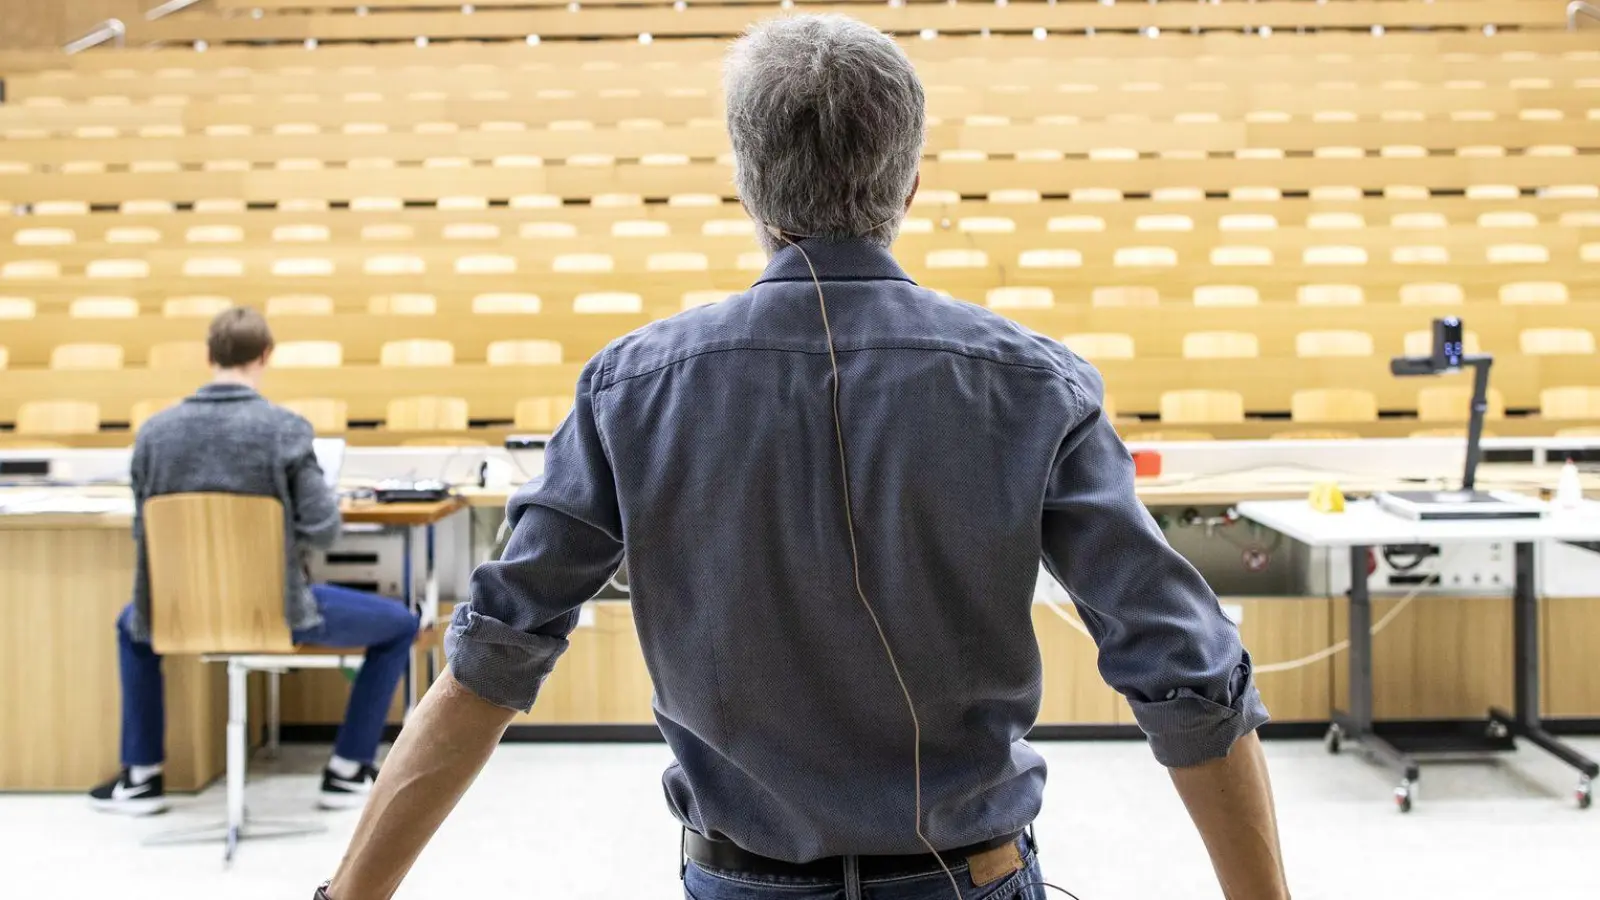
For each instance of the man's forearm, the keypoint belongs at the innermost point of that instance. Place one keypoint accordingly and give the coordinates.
(1230, 800)
(442, 748)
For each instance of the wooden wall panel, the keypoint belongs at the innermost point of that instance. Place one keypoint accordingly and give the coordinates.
(1443, 658)
(1279, 629)
(1570, 677)
(1073, 689)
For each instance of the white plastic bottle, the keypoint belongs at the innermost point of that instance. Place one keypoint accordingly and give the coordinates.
(1569, 489)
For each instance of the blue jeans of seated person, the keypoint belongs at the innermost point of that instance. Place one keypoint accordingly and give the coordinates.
(709, 884)
(349, 619)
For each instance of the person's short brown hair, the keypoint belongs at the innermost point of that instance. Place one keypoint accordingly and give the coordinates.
(238, 336)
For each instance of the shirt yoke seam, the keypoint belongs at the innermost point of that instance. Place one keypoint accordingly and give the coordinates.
(1052, 370)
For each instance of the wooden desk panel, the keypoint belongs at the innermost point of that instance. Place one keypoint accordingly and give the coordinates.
(1443, 658)
(401, 514)
(61, 590)
(1570, 681)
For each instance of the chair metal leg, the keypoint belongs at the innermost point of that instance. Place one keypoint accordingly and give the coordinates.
(238, 712)
(274, 715)
(237, 827)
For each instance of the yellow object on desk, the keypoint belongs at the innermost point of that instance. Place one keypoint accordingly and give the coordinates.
(1326, 497)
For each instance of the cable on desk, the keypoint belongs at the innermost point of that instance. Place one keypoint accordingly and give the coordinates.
(1291, 664)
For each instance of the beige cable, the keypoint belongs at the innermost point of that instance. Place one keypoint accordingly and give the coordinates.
(1287, 665)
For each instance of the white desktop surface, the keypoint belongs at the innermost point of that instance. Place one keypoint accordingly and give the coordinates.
(1364, 524)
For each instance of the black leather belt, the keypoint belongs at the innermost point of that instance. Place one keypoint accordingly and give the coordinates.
(729, 857)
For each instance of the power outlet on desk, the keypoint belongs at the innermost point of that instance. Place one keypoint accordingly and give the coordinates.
(1476, 568)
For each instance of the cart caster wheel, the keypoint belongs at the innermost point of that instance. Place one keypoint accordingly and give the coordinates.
(1497, 730)
(1402, 796)
(1333, 739)
(1584, 794)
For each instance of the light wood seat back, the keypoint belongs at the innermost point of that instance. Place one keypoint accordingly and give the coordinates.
(417, 352)
(86, 356)
(524, 353)
(1201, 407)
(326, 415)
(179, 355)
(427, 414)
(216, 565)
(1100, 345)
(542, 414)
(1220, 345)
(58, 417)
(1452, 403)
(1333, 405)
(144, 409)
(1571, 402)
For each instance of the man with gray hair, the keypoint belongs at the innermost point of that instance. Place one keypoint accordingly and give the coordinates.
(833, 493)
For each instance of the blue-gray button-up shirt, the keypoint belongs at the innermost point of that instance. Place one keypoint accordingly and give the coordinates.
(702, 450)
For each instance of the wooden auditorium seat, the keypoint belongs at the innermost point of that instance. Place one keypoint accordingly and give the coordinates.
(1556, 341)
(1100, 345)
(58, 417)
(427, 414)
(1453, 403)
(179, 355)
(1201, 407)
(1333, 405)
(327, 416)
(1571, 402)
(86, 356)
(523, 353)
(308, 355)
(417, 352)
(541, 414)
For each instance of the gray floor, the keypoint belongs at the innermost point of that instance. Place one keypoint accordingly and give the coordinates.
(586, 821)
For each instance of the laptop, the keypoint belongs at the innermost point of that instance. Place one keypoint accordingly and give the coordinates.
(330, 458)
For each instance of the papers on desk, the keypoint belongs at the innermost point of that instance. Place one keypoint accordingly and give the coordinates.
(40, 503)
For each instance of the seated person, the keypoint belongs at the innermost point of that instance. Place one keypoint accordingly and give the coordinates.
(228, 439)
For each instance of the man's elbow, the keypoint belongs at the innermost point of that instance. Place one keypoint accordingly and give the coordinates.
(1187, 729)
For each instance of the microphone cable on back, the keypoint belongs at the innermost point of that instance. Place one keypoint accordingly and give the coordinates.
(855, 560)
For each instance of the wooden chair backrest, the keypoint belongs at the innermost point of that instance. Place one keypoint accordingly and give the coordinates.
(326, 414)
(216, 566)
(1201, 407)
(58, 417)
(427, 414)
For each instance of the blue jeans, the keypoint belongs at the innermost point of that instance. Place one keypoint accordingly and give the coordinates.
(349, 619)
(706, 884)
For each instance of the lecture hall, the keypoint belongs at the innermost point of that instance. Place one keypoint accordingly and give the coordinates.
(423, 424)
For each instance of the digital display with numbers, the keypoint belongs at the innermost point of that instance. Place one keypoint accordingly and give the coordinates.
(1448, 343)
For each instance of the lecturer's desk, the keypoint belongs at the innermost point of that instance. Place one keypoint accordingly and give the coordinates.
(1362, 527)
(415, 522)
(63, 579)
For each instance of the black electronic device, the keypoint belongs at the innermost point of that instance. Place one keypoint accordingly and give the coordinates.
(1449, 355)
(25, 468)
(411, 491)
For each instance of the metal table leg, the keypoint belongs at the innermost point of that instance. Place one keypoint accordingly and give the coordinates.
(1357, 724)
(1524, 721)
(409, 595)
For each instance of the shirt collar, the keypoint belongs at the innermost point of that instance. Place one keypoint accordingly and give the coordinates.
(217, 393)
(843, 260)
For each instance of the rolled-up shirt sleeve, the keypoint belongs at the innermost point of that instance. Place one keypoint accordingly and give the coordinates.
(566, 541)
(1164, 642)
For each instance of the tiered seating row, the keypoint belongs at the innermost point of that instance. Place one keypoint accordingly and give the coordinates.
(909, 19)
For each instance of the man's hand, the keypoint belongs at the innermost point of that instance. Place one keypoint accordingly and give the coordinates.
(442, 748)
(1230, 800)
